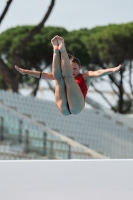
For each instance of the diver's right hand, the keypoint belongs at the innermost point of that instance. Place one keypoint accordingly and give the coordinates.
(22, 71)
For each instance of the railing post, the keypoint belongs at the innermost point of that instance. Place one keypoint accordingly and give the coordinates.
(51, 150)
(26, 144)
(45, 143)
(1, 128)
(20, 131)
(69, 151)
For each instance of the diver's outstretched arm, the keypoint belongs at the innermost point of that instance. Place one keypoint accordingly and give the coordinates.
(102, 72)
(36, 74)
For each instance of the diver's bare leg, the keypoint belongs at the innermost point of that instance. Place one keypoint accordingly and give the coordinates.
(74, 95)
(60, 88)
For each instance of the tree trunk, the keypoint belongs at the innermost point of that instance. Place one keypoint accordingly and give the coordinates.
(119, 85)
(10, 76)
(34, 92)
(10, 79)
(5, 10)
(131, 84)
(20, 49)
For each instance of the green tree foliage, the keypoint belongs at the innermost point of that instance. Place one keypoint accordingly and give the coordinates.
(112, 44)
(37, 55)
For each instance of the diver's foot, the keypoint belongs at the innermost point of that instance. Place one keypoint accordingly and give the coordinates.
(61, 46)
(55, 44)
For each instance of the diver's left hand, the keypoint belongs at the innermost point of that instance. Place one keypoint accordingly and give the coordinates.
(116, 69)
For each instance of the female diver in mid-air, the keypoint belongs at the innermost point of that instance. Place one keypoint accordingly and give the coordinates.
(71, 86)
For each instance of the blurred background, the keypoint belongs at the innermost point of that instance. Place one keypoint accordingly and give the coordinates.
(100, 34)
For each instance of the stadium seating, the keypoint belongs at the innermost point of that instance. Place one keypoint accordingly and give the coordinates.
(61, 146)
(108, 133)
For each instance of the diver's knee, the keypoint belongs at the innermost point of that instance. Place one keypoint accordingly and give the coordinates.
(76, 111)
(65, 112)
